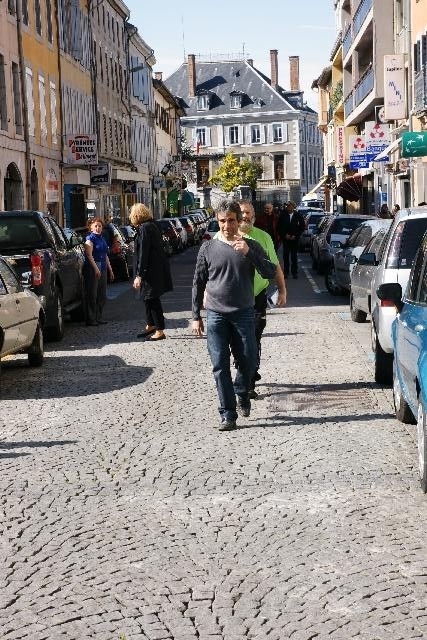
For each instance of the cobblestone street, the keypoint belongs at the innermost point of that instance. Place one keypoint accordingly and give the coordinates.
(125, 515)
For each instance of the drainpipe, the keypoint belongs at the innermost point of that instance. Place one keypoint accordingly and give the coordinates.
(61, 217)
(27, 192)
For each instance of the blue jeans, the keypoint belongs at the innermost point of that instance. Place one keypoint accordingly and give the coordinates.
(223, 329)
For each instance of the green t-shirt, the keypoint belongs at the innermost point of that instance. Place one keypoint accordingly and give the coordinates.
(266, 242)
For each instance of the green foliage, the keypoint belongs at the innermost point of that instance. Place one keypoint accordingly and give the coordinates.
(233, 172)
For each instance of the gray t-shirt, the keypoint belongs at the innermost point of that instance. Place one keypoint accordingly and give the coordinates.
(228, 276)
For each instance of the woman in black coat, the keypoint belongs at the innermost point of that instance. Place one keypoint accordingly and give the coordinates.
(152, 275)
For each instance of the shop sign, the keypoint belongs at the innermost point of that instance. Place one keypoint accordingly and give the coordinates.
(377, 138)
(159, 182)
(358, 157)
(340, 146)
(100, 174)
(81, 149)
(414, 143)
(394, 87)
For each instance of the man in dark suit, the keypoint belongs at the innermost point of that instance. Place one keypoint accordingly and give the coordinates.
(291, 226)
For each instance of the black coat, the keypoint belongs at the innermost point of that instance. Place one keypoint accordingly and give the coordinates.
(294, 227)
(151, 262)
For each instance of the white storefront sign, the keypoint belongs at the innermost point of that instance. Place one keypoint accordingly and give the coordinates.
(340, 145)
(82, 149)
(394, 87)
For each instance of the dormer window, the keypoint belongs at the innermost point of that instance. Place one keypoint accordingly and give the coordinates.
(236, 99)
(203, 102)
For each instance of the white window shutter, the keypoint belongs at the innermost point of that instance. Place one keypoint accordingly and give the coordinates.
(262, 133)
(284, 132)
(248, 135)
(208, 136)
(227, 136)
(30, 101)
(240, 134)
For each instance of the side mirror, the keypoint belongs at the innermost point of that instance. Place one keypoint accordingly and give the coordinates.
(391, 292)
(368, 259)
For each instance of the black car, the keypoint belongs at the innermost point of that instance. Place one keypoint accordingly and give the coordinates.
(47, 262)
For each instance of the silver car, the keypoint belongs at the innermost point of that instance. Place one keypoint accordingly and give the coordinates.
(337, 278)
(403, 240)
(22, 318)
(361, 276)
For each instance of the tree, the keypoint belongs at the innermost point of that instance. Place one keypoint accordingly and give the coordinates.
(233, 172)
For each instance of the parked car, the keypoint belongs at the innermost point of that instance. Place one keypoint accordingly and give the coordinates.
(189, 226)
(181, 230)
(211, 230)
(332, 237)
(403, 240)
(120, 253)
(361, 276)
(312, 218)
(409, 338)
(167, 228)
(337, 278)
(47, 262)
(22, 318)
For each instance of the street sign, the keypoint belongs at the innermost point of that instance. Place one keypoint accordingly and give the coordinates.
(414, 143)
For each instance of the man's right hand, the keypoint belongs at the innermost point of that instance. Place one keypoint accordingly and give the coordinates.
(198, 327)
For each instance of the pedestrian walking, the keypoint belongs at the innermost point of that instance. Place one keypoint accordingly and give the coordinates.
(268, 222)
(384, 212)
(225, 268)
(152, 277)
(395, 210)
(95, 269)
(291, 226)
(246, 226)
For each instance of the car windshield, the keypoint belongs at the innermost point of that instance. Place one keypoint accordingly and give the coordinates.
(20, 231)
(345, 225)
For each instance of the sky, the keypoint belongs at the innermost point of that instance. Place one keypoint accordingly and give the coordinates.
(304, 28)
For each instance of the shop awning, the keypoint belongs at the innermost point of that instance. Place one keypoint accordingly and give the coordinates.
(312, 193)
(351, 188)
(391, 147)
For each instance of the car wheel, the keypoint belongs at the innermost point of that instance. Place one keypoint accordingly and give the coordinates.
(422, 446)
(401, 407)
(36, 350)
(383, 361)
(331, 283)
(55, 332)
(357, 315)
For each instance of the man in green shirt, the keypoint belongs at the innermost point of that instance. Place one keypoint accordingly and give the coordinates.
(246, 227)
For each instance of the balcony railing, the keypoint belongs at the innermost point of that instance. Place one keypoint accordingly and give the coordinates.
(420, 91)
(359, 17)
(346, 41)
(364, 86)
(348, 104)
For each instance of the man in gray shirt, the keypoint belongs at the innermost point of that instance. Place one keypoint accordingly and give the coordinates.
(224, 275)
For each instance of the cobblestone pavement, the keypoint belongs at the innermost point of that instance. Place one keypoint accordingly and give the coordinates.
(125, 515)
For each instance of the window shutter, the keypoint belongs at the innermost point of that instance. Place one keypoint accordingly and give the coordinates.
(42, 100)
(30, 101)
(227, 136)
(248, 135)
(208, 136)
(240, 134)
(285, 137)
(262, 129)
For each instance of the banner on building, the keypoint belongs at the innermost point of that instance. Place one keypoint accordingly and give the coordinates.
(340, 145)
(394, 87)
(51, 187)
(81, 149)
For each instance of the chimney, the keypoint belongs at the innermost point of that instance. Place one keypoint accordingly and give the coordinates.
(158, 75)
(294, 73)
(274, 69)
(250, 62)
(191, 75)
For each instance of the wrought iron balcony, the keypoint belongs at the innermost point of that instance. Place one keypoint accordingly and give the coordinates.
(346, 41)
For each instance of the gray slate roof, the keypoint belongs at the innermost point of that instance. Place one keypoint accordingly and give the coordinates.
(222, 78)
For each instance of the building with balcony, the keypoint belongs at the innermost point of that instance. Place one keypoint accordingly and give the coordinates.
(419, 109)
(232, 107)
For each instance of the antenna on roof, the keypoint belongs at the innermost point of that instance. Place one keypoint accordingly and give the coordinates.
(183, 37)
(243, 50)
